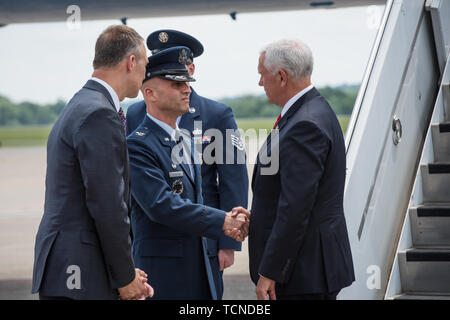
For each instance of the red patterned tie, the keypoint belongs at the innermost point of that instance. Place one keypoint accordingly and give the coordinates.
(124, 120)
(278, 119)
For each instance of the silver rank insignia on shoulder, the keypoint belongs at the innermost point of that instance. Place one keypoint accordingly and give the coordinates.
(140, 134)
(237, 142)
(166, 139)
(191, 110)
(177, 187)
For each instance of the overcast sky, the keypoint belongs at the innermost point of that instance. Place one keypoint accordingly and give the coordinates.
(42, 62)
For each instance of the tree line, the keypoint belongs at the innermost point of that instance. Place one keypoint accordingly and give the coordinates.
(340, 98)
(28, 113)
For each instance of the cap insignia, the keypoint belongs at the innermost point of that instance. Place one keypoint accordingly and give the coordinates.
(183, 58)
(163, 37)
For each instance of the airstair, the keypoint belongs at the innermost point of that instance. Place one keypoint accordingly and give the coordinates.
(397, 196)
(424, 267)
(422, 264)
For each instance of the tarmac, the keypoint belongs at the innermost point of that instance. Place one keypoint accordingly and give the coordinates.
(22, 191)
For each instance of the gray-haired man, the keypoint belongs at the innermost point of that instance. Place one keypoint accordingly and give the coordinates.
(298, 242)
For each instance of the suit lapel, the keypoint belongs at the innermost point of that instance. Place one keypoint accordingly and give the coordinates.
(283, 121)
(255, 170)
(187, 120)
(188, 172)
(263, 150)
(169, 143)
(94, 85)
(297, 105)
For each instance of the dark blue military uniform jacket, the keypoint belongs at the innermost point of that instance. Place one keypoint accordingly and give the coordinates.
(224, 186)
(169, 222)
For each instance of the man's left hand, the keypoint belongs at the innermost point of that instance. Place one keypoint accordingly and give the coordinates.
(226, 258)
(265, 286)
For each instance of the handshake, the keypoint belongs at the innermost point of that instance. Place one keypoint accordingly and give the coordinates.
(236, 223)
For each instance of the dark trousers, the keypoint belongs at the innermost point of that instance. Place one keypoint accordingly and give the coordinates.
(41, 297)
(314, 296)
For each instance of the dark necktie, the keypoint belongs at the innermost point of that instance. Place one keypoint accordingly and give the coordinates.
(186, 151)
(278, 119)
(124, 120)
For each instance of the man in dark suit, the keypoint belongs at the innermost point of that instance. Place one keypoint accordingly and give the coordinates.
(298, 241)
(224, 185)
(169, 221)
(83, 248)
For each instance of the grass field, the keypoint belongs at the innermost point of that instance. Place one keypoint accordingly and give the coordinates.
(24, 136)
(37, 135)
(344, 120)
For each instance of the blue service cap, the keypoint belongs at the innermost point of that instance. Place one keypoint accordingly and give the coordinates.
(170, 64)
(166, 38)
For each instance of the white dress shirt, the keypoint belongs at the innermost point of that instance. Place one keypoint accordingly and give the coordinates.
(111, 91)
(185, 143)
(292, 100)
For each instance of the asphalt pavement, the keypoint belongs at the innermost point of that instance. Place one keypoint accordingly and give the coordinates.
(22, 186)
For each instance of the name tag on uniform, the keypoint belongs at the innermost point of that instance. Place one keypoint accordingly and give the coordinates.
(175, 174)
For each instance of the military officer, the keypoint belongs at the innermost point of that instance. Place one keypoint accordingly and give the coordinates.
(224, 185)
(169, 221)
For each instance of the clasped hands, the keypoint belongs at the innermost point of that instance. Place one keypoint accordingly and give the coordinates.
(236, 223)
(138, 289)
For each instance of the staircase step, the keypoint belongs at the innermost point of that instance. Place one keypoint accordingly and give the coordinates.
(430, 225)
(425, 270)
(431, 255)
(436, 182)
(441, 141)
(421, 296)
(434, 210)
(444, 127)
(438, 168)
